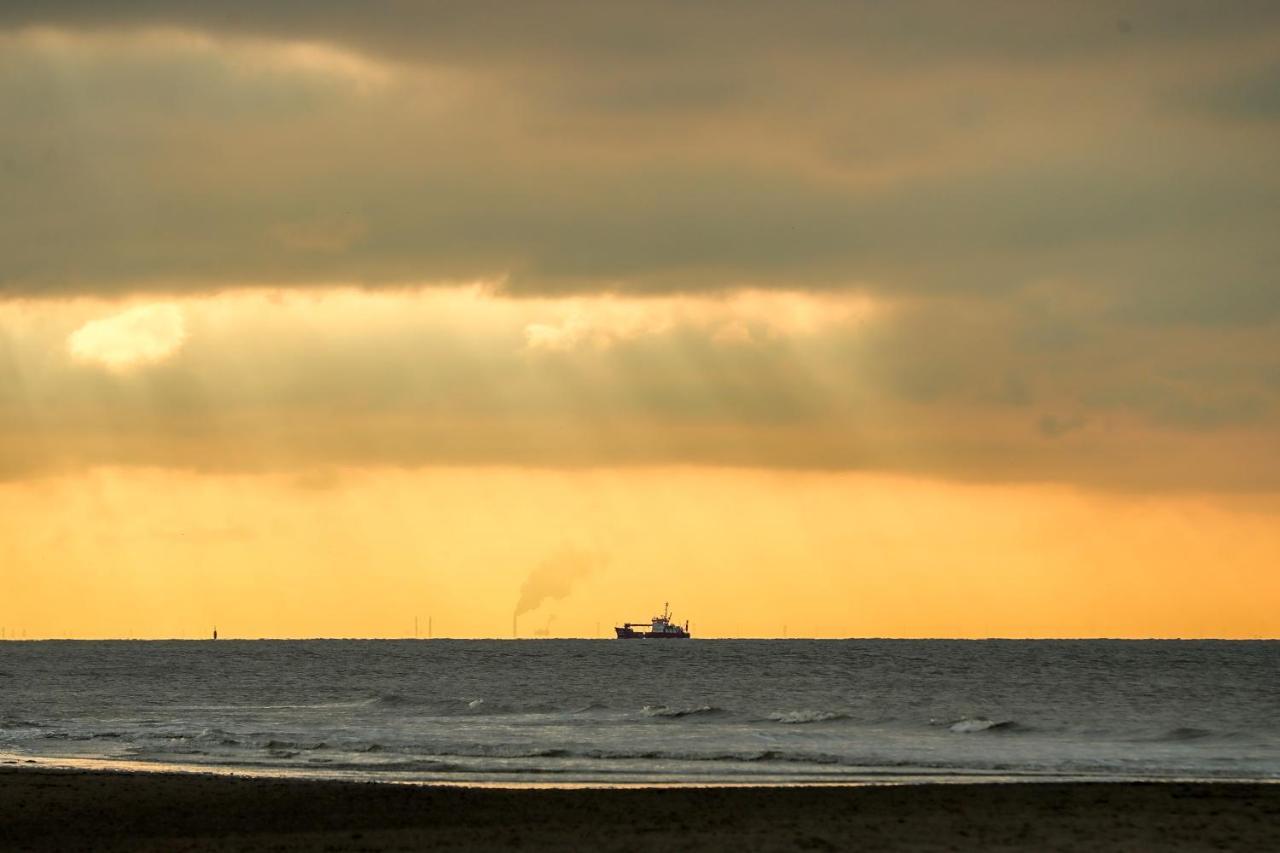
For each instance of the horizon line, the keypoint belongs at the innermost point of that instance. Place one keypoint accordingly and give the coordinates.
(220, 639)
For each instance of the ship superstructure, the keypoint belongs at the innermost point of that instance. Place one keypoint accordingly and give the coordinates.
(658, 628)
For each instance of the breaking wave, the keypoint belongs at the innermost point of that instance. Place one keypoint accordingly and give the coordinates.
(667, 712)
(460, 705)
(979, 724)
(799, 717)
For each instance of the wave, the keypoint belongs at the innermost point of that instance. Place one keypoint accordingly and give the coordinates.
(424, 765)
(509, 751)
(303, 706)
(162, 754)
(461, 706)
(445, 706)
(289, 744)
(970, 725)
(606, 754)
(667, 712)
(499, 751)
(800, 717)
(208, 735)
(746, 756)
(15, 723)
(589, 707)
(1185, 733)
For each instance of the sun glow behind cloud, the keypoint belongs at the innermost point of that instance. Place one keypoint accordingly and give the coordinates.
(274, 379)
(135, 337)
(252, 57)
(738, 317)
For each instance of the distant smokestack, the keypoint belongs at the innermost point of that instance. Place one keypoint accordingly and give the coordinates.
(514, 617)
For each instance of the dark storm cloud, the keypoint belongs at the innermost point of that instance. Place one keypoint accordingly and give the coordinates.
(587, 147)
(495, 31)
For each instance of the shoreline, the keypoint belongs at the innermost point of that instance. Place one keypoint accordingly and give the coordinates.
(56, 809)
(513, 781)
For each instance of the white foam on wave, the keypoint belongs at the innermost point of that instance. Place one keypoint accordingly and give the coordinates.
(799, 717)
(666, 711)
(978, 724)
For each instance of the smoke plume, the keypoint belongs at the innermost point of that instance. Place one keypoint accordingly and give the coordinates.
(554, 577)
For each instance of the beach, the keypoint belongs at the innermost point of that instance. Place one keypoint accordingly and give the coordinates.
(44, 809)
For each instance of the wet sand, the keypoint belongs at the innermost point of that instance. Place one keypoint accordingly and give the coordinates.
(44, 809)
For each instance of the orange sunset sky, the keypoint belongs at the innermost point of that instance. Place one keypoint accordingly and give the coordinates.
(848, 319)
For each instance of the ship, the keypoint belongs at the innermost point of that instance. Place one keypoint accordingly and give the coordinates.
(657, 628)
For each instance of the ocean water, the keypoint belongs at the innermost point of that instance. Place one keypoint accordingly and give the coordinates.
(608, 712)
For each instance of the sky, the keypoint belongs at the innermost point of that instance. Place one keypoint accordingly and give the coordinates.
(814, 319)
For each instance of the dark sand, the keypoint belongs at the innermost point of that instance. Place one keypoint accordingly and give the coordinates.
(87, 810)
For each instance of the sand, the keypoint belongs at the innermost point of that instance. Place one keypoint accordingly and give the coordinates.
(44, 809)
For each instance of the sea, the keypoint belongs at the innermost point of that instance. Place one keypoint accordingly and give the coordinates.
(608, 712)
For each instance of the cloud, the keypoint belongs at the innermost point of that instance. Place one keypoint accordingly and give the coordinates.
(561, 336)
(321, 236)
(859, 235)
(693, 36)
(182, 149)
(334, 380)
(136, 337)
(736, 318)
